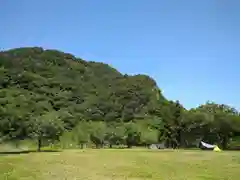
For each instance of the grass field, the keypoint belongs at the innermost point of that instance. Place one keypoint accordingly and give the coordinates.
(122, 164)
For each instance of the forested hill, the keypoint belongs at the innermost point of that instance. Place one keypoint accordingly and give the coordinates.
(45, 94)
(34, 81)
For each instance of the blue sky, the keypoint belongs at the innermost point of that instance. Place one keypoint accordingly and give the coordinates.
(191, 48)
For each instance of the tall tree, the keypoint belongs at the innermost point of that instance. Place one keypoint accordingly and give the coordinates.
(132, 134)
(81, 134)
(98, 133)
(46, 126)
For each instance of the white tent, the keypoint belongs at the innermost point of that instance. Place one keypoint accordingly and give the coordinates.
(209, 146)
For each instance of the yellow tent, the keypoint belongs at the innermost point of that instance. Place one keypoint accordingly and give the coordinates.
(217, 149)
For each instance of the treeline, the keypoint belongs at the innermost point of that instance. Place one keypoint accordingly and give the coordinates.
(216, 124)
(48, 94)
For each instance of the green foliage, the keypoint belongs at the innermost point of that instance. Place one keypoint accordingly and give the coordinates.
(133, 134)
(115, 134)
(46, 126)
(97, 133)
(149, 136)
(46, 92)
(82, 133)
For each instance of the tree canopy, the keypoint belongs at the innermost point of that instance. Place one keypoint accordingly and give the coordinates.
(49, 93)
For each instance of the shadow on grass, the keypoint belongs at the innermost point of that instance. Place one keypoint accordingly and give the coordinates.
(26, 152)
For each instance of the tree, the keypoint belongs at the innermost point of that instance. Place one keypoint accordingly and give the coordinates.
(14, 114)
(98, 132)
(81, 134)
(149, 136)
(46, 126)
(198, 127)
(115, 134)
(224, 128)
(132, 134)
(173, 124)
(177, 126)
(222, 124)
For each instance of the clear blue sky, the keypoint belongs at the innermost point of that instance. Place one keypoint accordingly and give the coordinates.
(190, 47)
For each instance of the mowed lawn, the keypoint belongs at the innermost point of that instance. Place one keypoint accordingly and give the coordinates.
(123, 164)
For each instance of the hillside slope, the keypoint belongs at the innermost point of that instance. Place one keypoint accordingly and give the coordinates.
(46, 93)
(34, 80)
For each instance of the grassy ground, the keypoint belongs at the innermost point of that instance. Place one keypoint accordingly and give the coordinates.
(121, 164)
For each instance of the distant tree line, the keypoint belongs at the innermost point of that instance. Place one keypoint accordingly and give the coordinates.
(48, 94)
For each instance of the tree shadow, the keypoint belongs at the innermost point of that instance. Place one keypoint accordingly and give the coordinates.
(26, 152)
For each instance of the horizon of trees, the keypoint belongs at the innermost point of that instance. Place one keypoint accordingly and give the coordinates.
(51, 95)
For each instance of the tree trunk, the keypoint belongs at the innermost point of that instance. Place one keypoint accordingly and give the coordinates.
(129, 146)
(17, 144)
(179, 138)
(81, 145)
(225, 140)
(39, 144)
(110, 145)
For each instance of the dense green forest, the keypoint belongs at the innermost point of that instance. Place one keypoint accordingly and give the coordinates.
(52, 95)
